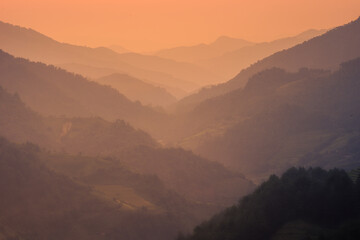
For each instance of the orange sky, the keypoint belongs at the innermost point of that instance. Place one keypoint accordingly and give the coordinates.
(146, 25)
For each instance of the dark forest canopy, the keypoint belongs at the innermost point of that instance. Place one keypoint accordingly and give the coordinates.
(301, 204)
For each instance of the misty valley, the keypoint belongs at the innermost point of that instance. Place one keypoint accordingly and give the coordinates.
(234, 139)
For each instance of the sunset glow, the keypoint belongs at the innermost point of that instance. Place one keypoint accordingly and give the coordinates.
(147, 25)
(179, 119)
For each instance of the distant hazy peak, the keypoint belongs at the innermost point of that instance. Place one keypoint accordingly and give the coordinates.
(118, 49)
(226, 39)
(311, 32)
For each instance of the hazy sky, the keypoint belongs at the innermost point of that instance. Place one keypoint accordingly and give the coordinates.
(146, 25)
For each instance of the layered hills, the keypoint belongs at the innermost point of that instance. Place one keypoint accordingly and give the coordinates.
(230, 63)
(191, 176)
(27, 43)
(196, 53)
(280, 118)
(53, 91)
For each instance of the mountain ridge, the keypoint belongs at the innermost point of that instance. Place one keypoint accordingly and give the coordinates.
(28, 43)
(198, 52)
(320, 52)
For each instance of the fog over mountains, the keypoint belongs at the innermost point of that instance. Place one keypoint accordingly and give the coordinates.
(104, 143)
(326, 51)
(35, 46)
(201, 52)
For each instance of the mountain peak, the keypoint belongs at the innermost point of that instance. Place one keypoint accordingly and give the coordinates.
(231, 40)
(118, 49)
(222, 38)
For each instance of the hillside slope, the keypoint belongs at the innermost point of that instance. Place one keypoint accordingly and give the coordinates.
(53, 91)
(137, 90)
(193, 177)
(280, 119)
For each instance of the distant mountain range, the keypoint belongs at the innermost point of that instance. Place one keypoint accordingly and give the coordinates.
(326, 51)
(227, 56)
(194, 54)
(27, 43)
(230, 63)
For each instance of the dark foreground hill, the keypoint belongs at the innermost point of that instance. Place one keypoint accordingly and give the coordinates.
(301, 204)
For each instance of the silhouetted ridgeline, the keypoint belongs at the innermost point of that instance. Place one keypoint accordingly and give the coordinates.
(301, 204)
